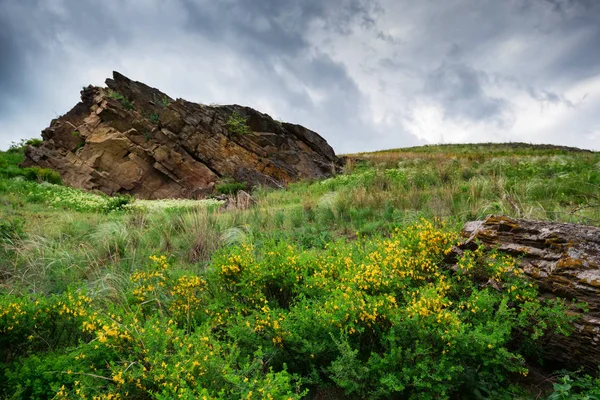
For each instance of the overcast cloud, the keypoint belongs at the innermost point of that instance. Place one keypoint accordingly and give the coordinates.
(365, 74)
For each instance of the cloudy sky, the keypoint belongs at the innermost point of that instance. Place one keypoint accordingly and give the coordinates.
(365, 74)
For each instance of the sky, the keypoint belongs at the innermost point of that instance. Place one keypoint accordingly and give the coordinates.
(365, 74)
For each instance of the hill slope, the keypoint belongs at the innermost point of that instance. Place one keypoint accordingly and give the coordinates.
(333, 287)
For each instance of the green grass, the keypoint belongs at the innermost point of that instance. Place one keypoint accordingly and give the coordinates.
(125, 102)
(291, 296)
(229, 187)
(10, 160)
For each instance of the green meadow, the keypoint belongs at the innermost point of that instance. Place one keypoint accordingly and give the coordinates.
(327, 289)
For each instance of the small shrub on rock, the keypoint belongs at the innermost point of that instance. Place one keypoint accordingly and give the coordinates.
(237, 124)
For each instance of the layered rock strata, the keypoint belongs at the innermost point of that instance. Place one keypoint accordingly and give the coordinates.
(129, 138)
(564, 260)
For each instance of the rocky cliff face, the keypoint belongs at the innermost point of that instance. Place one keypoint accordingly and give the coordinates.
(564, 260)
(130, 138)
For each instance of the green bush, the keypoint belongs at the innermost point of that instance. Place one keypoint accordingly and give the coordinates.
(237, 124)
(378, 318)
(582, 387)
(48, 175)
(117, 203)
(35, 142)
(352, 317)
(229, 187)
(125, 102)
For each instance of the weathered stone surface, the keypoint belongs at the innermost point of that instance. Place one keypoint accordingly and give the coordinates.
(564, 260)
(152, 146)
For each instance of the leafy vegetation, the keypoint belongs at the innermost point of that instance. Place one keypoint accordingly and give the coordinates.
(10, 160)
(583, 387)
(173, 205)
(154, 118)
(61, 197)
(125, 102)
(164, 100)
(353, 315)
(229, 186)
(237, 124)
(35, 142)
(332, 287)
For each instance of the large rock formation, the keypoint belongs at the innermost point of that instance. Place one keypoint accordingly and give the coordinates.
(564, 260)
(133, 139)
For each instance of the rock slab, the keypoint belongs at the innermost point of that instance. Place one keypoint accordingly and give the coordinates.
(129, 138)
(564, 260)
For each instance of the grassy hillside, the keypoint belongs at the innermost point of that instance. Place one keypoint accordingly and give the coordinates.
(329, 289)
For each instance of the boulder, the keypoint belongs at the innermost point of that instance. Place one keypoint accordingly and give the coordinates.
(130, 138)
(564, 260)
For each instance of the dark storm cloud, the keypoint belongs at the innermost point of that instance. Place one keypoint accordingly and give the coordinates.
(562, 6)
(459, 90)
(261, 33)
(12, 64)
(366, 74)
(582, 58)
(272, 34)
(10, 69)
(277, 26)
(31, 31)
(271, 31)
(12, 60)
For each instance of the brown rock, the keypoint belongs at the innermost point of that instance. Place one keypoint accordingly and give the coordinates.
(130, 138)
(564, 260)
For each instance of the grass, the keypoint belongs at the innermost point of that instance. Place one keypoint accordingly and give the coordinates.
(121, 99)
(10, 160)
(291, 295)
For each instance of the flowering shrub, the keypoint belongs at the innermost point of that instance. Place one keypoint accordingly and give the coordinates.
(63, 197)
(173, 204)
(66, 197)
(377, 318)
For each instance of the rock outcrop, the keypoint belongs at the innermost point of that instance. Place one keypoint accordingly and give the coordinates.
(564, 260)
(130, 138)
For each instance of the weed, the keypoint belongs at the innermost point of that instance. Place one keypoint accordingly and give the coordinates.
(237, 124)
(125, 102)
(229, 186)
(582, 387)
(154, 118)
(35, 142)
(12, 229)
